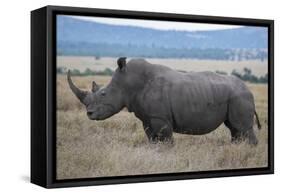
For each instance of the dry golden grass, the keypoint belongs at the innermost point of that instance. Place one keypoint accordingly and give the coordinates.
(118, 145)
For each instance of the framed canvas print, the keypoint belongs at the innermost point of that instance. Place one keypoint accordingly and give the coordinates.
(125, 96)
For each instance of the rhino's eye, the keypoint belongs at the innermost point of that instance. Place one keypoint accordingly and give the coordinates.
(103, 93)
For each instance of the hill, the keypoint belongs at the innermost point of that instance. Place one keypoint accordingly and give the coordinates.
(81, 37)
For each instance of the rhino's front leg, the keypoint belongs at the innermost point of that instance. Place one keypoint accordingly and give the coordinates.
(158, 130)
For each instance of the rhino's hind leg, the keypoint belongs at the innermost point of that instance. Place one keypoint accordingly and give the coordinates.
(158, 130)
(252, 137)
(235, 134)
(238, 136)
(240, 121)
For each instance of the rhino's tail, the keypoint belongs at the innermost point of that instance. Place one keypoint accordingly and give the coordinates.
(258, 121)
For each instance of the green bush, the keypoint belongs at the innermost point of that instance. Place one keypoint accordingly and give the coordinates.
(247, 75)
(221, 72)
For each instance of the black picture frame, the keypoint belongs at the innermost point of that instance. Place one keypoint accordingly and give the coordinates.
(43, 96)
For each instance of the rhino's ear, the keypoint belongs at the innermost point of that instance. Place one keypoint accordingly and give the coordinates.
(95, 86)
(121, 63)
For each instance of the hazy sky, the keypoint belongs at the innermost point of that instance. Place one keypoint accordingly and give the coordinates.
(162, 25)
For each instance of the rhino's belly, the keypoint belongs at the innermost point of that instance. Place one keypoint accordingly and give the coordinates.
(198, 108)
(201, 122)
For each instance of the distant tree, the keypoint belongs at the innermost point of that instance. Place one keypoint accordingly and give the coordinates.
(247, 71)
(248, 76)
(108, 71)
(264, 79)
(61, 70)
(88, 72)
(75, 72)
(236, 73)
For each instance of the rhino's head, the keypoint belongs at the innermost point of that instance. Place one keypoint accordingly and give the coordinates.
(101, 103)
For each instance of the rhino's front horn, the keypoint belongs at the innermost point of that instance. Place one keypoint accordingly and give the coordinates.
(79, 93)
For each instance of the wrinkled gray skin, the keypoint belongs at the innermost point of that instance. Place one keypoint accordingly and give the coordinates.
(168, 101)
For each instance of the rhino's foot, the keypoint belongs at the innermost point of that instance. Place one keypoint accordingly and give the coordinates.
(161, 140)
(159, 131)
(248, 136)
(252, 138)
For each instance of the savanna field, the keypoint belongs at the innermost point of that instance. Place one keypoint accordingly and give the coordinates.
(118, 146)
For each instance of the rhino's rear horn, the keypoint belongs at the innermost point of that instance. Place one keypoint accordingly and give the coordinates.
(95, 86)
(80, 94)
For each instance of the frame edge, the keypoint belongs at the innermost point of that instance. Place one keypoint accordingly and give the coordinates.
(38, 97)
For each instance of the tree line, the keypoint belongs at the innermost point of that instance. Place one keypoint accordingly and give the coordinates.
(245, 75)
(115, 50)
(86, 72)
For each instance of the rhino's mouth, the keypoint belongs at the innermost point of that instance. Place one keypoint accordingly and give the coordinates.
(101, 113)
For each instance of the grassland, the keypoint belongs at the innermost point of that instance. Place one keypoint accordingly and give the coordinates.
(118, 146)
